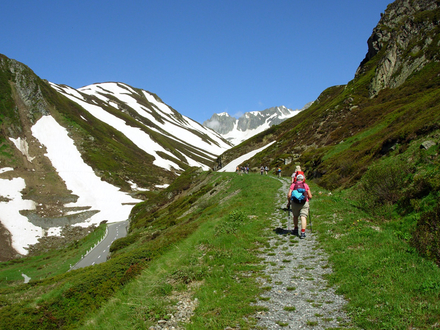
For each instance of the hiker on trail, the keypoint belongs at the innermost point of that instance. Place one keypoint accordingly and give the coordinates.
(294, 174)
(279, 172)
(261, 169)
(297, 171)
(266, 169)
(299, 194)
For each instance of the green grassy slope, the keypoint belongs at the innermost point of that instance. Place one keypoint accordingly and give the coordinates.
(199, 239)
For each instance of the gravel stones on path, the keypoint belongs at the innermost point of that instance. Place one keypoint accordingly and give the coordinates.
(298, 295)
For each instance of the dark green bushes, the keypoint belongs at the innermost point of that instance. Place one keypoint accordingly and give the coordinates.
(426, 238)
(123, 242)
(382, 185)
(424, 190)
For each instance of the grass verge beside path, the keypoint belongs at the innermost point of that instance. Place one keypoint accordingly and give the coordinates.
(214, 267)
(389, 286)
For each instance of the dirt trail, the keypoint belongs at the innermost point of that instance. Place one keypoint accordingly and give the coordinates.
(299, 295)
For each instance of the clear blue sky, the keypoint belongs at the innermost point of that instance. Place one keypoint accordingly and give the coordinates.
(200, 56)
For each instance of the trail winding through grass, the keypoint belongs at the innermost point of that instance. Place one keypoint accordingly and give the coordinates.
(298, 295)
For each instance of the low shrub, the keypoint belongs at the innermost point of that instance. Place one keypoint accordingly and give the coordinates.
(426, 239)
(381, 186)
(425, 187)
(123, 242)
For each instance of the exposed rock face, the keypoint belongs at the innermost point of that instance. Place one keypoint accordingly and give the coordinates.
(406, 34)
(222, 123)
(27, 88)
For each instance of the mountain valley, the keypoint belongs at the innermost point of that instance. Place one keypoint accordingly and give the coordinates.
(73, 159)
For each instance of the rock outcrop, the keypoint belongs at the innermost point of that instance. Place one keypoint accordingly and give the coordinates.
(407, 36)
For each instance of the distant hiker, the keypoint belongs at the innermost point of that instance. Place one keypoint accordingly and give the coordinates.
(262, 170)
(299, 196)
(247, 169)
(266, 169)
(279, 172)
(297, 171)
(237, 170)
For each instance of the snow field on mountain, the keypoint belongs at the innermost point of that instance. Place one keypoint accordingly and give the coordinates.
(93, 193)
(238, 161)
(112, 204)
(22, 231)
(136, 135)
(176, 129)
(80, 177)
(237, 135)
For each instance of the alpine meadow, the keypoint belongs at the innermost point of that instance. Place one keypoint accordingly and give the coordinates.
(207, 249)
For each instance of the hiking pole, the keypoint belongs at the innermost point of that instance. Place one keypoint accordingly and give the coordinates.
(310, 217)
(288, 219)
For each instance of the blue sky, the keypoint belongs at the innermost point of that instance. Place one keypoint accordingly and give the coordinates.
(199, 56)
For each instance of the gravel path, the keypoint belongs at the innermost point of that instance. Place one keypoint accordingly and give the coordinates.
(298, 295)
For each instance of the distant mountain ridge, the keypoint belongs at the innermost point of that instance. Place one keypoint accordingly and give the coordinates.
(249, 124)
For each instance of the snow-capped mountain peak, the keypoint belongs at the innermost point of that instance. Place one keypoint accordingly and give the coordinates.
(250, 123)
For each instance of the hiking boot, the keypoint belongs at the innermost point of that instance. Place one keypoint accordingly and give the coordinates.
(295, 232)
(303, 235)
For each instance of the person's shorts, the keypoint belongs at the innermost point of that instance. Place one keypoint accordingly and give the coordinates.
(300, 210)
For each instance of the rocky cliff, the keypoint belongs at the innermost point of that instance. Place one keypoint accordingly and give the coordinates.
(407, 38)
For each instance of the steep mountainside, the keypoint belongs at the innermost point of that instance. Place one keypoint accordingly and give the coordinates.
(393, 99)
(80, 156)
(174, 140)
(251, 123)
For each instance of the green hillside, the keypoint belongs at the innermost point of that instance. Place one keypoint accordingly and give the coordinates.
(202, 238)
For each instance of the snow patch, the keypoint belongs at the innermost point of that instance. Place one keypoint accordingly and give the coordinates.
(236, 162)
(112, 204)
(23, 232)
(5, 169)
(23, 146)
